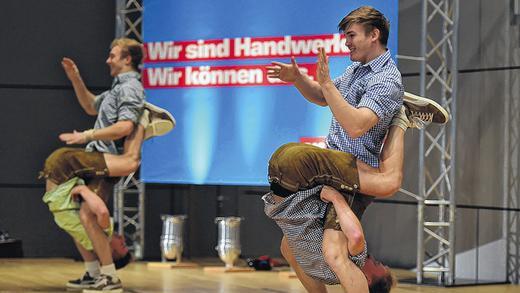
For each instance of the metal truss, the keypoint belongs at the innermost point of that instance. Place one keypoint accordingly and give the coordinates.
(129, 212)
(512, 159)
(436, 200)
(129, 19)
(129, 193)
(512, 191)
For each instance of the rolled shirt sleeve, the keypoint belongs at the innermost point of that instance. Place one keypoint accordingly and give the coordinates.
(130, 105)
(383, 97)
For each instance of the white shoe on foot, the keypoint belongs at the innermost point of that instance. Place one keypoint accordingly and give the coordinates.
(156, 121)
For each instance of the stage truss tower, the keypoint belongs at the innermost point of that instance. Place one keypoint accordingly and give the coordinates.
(436, 206)
(436, 178)
(129, 193)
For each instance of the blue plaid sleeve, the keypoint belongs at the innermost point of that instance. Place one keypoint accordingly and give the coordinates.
(130, 104)
(383, 96)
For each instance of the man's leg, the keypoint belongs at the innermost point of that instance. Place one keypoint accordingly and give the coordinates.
(385, 180)
(377, 274)
(336, 252)
(310, 284)
(128, 162)
(96, 235)
(86, 255)
(108, 279)
(294, 167)
(57, 168)
(155, 121)
(91, 267)
(416, 113)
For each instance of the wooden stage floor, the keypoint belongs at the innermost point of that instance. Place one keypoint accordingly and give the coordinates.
(50, 275)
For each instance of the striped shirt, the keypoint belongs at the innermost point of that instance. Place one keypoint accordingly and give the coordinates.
(124, 101)
(375, 85)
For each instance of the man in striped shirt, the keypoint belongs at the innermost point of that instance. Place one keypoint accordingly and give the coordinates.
(367, 105)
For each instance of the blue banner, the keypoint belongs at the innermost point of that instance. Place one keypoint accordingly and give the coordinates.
(206, 64)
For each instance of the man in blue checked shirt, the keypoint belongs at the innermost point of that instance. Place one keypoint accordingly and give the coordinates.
(367, 105)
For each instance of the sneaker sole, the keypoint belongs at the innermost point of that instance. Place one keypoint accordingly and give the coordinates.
(158, 128)
(117, 290)
(74, 287)
(420, 104)
(155, 109)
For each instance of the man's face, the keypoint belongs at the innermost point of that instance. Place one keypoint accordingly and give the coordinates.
(115, 62)
(359, 43)
(374, 270)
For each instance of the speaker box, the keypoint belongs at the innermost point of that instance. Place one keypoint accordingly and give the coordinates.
(11, 248)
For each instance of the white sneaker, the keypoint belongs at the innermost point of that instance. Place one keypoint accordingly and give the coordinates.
(156, 121)
(106, 284)
(82, 283)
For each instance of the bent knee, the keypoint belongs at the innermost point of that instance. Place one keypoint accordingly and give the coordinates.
(133, 165)
(132, 161)
(390, 184)
(291, 156)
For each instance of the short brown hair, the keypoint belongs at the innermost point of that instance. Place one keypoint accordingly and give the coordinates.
(383, 284)
(132, 48)
(370, 18)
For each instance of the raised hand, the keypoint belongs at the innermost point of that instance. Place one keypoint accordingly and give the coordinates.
(322, 68)
(73, 138)
(71, 70)
(283, 71)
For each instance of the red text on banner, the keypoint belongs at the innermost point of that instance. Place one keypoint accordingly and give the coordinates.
(245, 48)
(214, 76)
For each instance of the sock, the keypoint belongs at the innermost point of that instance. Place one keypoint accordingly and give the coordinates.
(92, 268)
(109, 270)
(401, 120)
(145, 118)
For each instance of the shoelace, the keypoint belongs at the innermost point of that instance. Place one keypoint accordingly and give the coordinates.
(426, 117)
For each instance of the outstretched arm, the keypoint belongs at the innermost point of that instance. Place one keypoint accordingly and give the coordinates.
(95, 204)
(85, 97)
(310, 89)
(115, 131)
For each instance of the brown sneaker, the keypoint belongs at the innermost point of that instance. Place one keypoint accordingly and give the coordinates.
(424, 109)
(156, 121)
